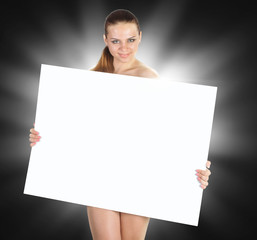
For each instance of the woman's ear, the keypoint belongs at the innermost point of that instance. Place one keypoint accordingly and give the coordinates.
(140, 36)
(105, 39)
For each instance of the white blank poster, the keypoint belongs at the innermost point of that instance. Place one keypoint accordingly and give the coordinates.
(121, 143)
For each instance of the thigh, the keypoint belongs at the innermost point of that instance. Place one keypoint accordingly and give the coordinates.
(104, 224)
(133, 226)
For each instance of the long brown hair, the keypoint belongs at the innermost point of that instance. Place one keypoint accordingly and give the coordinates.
(105, 63)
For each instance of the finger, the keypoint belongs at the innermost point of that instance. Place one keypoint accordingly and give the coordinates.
(33, 131)
(32, 144)
(206, 172)
(208, 164)
(204, 178)
(32, 140)
(34, 136)
(204, 183)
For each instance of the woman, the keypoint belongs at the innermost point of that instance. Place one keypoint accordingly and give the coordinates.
(122, 37)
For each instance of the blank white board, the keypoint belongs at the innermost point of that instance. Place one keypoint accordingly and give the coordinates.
(122, 143)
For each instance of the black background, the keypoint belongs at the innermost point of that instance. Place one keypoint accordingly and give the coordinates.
(29, 37)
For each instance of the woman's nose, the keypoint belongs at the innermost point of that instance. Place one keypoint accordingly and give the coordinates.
(123, 45)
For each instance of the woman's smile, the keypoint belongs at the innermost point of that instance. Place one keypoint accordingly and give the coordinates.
(124, 55)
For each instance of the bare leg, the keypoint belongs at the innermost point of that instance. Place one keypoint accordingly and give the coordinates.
(133, 227)
(104, 224)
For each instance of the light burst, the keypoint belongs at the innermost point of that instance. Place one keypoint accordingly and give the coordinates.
(76, 41)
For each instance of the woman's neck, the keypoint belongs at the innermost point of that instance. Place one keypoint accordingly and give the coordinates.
(120, 67)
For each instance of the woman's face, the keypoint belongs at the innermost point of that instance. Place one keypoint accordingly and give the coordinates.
(123, 40)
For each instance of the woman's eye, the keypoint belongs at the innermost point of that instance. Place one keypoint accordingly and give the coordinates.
(132, 40)
(115, 41)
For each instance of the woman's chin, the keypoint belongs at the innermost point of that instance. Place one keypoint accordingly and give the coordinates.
(125, 58)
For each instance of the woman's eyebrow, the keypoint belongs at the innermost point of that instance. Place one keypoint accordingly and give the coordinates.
(127, 38)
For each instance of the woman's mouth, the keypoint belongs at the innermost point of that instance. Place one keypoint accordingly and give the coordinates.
(122, 55)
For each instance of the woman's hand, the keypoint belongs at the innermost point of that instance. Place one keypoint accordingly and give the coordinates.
(203, 175)
(33, 137)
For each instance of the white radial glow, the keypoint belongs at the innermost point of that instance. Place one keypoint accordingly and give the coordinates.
(75, 40)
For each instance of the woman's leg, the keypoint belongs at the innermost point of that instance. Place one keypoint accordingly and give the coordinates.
(104, 224)
(133, 227)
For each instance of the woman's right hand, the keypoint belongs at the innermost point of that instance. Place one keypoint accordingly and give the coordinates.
(33, 137)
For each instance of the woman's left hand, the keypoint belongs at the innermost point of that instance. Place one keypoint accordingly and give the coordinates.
(203, 175)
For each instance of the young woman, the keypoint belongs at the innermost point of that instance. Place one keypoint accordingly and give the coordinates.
(122, 37)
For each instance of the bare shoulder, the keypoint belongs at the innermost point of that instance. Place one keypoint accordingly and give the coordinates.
(146, 72)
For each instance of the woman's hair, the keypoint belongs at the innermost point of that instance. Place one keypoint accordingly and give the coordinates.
(105, 63)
